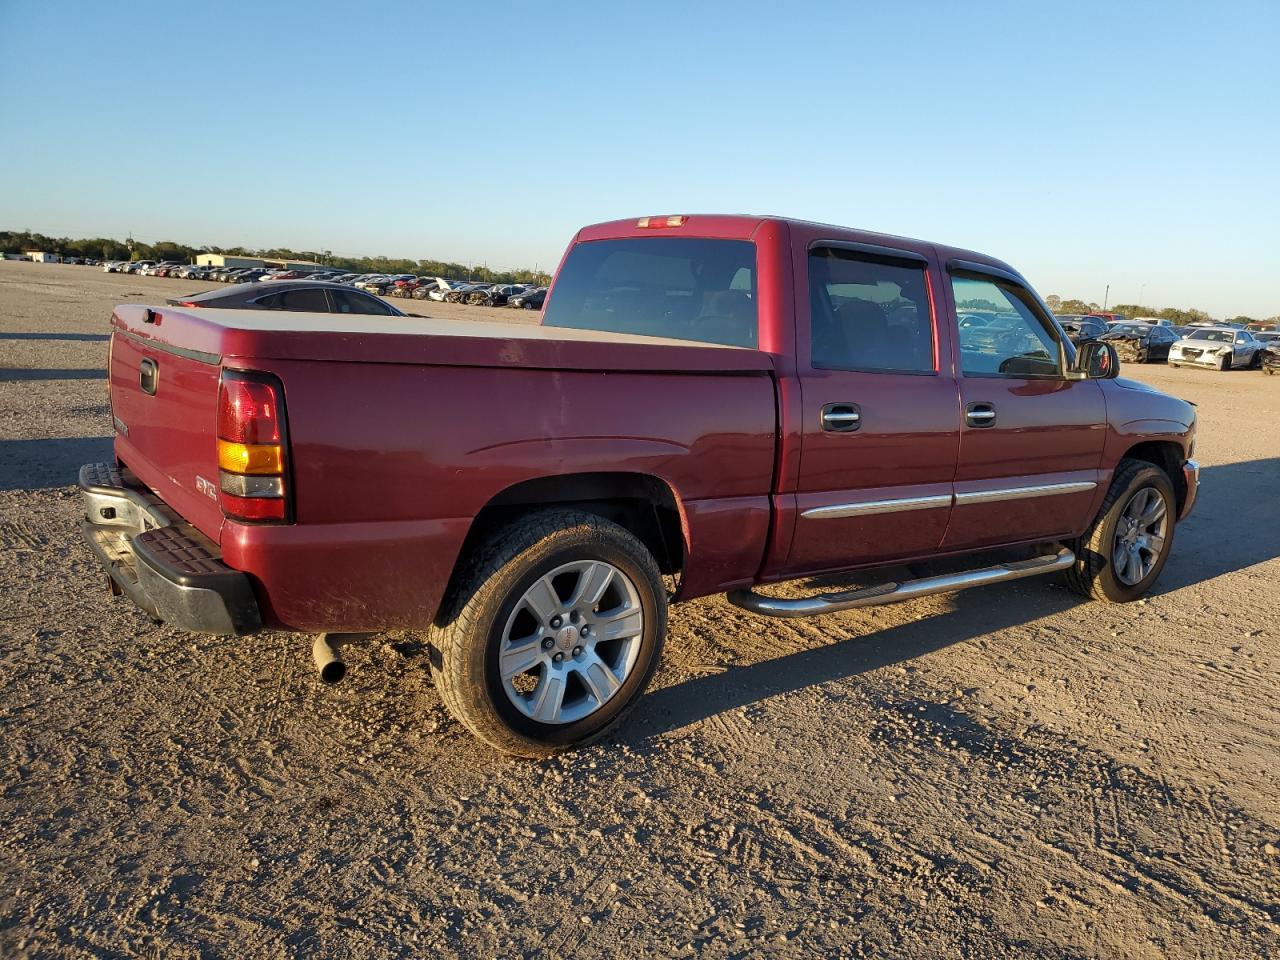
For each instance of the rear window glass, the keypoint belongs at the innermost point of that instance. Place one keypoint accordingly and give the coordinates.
(683, 288)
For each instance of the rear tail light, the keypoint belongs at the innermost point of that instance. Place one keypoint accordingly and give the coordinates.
(253, 448)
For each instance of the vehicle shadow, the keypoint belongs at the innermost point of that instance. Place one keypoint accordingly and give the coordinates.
(976, 614)
(16, 374)
(49, 463)
(88, 337)
(1202, 551)
(1232, 526)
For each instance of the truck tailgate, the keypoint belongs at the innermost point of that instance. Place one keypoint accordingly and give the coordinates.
(164, 400)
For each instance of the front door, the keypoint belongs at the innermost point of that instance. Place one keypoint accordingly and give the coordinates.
(1030, 440)
(881, 415)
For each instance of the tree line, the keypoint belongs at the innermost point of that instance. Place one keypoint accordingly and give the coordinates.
(106, 248)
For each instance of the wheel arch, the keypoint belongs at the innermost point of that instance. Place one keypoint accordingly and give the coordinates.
(1168, 456)
(644, 504)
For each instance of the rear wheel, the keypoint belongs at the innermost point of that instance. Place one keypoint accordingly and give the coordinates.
(1122, 553)
(552, 633)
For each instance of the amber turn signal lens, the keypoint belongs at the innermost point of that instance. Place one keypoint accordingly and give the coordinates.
(250, 457)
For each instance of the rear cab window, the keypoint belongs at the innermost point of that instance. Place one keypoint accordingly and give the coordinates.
(685, 288)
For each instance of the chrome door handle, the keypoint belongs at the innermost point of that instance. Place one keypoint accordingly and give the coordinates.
(980, 415)
(841, 417)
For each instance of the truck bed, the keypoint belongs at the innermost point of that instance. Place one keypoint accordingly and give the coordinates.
(401, 430)
(215, 335)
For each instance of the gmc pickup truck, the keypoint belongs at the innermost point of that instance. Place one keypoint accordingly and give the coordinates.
(711, 404)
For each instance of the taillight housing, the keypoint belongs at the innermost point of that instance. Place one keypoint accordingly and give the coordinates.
(254, 482)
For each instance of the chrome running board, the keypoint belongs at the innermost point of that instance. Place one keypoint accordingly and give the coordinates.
(895, 592)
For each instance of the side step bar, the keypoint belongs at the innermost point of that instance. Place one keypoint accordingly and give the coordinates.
(895, 592)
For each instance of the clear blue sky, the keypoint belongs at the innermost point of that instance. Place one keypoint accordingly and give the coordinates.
(1134, 144)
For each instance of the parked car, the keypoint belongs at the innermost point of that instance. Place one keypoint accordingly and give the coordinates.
(462, 291)
(1080, 328)
(311, 296)
(444, 287)
(498, 294)
(670, 416)
(1140, 342)
(1271, 359)
(1108, 318)
(1221, 346)
(532, 300)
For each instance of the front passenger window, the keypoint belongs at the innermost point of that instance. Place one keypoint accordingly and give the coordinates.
(1001, 334)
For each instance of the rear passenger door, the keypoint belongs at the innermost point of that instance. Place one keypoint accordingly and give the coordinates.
(1030, 439)
(881, 417)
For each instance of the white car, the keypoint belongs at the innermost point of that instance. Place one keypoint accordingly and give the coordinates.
(442, 288)
(1221, 347)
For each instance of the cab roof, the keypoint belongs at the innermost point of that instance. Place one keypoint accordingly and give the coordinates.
(746, 226)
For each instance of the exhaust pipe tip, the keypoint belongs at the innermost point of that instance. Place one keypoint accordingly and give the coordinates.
(328, 660)
(333, 672)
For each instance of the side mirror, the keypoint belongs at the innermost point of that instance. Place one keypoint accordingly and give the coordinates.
(1096, 360)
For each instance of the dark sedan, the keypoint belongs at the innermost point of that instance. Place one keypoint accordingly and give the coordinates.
(308, 296)
(1140, 342)
(532, 300)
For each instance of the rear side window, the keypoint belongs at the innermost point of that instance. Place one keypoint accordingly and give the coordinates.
(684, 288)
(311, 300)
(868, 313)
(348, 301)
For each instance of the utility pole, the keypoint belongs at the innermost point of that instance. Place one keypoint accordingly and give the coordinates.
(1142, 292)
(1105, 297)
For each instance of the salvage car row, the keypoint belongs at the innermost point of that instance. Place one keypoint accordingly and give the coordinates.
(526, 296)
(1223, 346)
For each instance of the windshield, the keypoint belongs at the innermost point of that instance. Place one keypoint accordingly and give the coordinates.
(1218, 336)
(678, 287)
(1131, 329)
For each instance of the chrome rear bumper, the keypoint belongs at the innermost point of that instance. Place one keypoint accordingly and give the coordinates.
(160, 562)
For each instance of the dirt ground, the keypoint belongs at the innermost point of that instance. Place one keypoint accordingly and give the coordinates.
(1005, 772)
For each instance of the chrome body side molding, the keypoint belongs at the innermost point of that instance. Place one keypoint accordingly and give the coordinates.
(870, 507)
(1023, 493)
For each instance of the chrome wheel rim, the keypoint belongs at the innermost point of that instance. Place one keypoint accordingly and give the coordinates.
(1140, 536)
(571, 642)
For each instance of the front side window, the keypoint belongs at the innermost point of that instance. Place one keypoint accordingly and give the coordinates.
(1001, 334)
(869, 313)
(680, 287)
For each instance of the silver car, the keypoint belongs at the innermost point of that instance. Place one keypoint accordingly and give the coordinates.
(1220, 347)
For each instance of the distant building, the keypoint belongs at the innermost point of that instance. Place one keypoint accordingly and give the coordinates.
(37, 256)
(229, 261)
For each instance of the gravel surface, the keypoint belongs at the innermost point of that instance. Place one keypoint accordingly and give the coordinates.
(1003, 772)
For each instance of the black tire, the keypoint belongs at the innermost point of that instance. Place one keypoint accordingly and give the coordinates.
(1255, 362)
(1093, 574)
(1224, 363)
(466, 639)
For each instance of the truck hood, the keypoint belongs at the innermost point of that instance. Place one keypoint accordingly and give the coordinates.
(1131, 400)
(216, 336)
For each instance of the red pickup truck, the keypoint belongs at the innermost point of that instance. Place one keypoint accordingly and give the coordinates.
(710, 404)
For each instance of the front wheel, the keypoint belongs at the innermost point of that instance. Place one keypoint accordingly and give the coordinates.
(1122, 553)
(1224, 362)
(551, 634)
